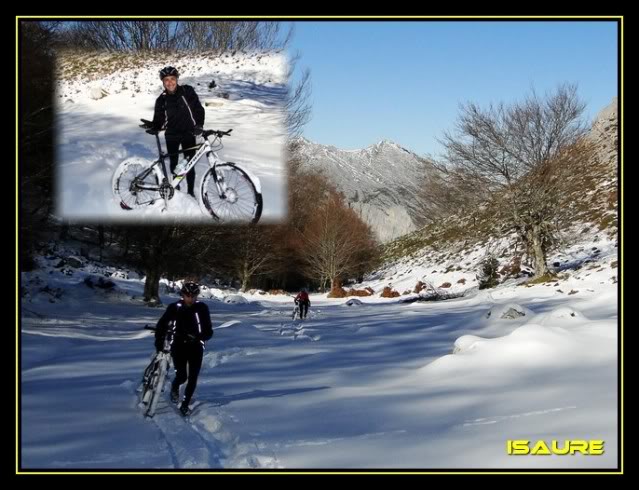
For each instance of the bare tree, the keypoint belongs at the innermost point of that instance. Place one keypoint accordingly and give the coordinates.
(336, 241)
(304, 188)
(170, 250)
(253, 251)
(517, 153)
(223, 36)
(298, 106)
(120, 35)
(161, 35)
(447, 191)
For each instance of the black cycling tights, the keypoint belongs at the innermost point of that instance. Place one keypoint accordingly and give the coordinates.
(188, 353)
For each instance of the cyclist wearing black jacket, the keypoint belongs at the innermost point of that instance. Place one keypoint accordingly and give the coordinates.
(179, 111)
(190, 321)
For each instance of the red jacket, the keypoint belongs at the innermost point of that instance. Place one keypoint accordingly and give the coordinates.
(302, 296)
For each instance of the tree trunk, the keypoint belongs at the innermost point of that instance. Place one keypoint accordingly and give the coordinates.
(245, 280)
(539, 256)
(152, 285)
(245, 275)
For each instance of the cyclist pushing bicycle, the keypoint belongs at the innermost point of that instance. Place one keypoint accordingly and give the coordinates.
(189, 321)
(303, 302)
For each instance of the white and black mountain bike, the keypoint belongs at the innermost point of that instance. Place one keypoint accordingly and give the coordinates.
(154, 376)
(228, 193)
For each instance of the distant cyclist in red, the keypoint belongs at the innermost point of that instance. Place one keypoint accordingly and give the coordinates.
(304, 303)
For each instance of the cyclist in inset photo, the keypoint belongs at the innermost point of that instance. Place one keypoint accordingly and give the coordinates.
(179, 112)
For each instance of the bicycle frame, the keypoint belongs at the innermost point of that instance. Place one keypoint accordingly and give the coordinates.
(203, 148)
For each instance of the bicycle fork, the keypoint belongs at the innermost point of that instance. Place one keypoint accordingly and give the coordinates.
(220, 183)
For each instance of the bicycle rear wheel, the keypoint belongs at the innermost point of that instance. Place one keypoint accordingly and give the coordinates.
(136, 184)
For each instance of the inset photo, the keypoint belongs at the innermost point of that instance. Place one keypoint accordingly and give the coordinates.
(187, 136)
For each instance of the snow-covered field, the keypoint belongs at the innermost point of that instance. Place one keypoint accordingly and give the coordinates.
(95, 136)
(372, 385)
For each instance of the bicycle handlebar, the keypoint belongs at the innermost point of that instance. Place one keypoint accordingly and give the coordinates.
(148, 127)
(216, 132)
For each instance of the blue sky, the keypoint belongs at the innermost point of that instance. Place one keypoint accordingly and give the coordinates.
(403, 81)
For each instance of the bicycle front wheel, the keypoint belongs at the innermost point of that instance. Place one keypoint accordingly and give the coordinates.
(158, 387)
(136, 184)
(147, 382)
(239, 201)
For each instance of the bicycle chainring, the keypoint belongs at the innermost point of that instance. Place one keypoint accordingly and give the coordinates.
(166, 191)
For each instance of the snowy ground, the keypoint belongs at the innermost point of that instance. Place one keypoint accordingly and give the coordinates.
(374, 385)
(95, 136)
